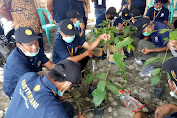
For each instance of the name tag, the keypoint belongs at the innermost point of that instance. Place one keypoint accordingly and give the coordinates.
(99, 2)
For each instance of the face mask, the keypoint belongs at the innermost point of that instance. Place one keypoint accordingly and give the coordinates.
(173, 51)
(133, 21)
(172, 93)
(68, 39)
(123, 19)
(59, 91)
(146, 33)
(157, 9)
(77, 24)
(30, 54)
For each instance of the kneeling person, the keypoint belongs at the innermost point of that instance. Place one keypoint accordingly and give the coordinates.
(26, 57)
(66, 46)
(38, 96)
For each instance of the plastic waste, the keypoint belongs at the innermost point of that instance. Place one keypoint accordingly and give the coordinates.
(147, 70)
(131, 103)
(93, 65)
(139, 62)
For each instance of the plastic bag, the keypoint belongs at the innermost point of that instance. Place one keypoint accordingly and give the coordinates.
(131, 103)
(147, 70)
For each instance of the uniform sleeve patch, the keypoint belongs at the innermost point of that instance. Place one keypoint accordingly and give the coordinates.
(37, 88)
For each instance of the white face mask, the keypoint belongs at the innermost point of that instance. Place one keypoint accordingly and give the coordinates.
(59, 91)
(173, 51)
(172, 93)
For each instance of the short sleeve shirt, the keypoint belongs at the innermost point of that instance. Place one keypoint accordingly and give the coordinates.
(36, 97)
(103, 5)
(24, 13)
(17, 65)
(63, 50)
(157, 38)
(159, 16)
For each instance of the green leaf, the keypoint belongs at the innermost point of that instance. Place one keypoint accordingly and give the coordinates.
(123, 43)
(152, 60)
(155, 80)
(100, 75)
(90, 79)
(164, 30)
(168, 76)
(126, 78)
(129, 47)
(166, 40)
(119, 62)
(173, 35)
(98, 97)
(108, 42)
(156, 71)
(113, 89)
(119, 71)
(126, 30)
(101, 85)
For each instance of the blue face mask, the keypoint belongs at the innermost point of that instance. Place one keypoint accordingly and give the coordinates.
(59, 91)
(123, 19)
(146, 33)
(157, 9)
(30, 54)
(77, 24)
(68, 39)
(133, 21)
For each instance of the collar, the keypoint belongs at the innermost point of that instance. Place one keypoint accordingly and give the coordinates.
(49, 85)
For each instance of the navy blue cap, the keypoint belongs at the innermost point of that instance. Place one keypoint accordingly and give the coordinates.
(67, 27)
(69, 70)
(171, 67)
(73, 14)
(140, 24)
(126, 14)
(25, 35)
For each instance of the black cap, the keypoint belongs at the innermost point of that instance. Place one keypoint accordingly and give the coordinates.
(112, 11)
(73, 14)
(25, 35)
(140, 24)
(135, 12)
(67, 27)
(69, 70)
(171, 67)
(126, 14)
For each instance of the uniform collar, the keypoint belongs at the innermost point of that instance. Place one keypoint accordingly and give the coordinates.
(49, 85)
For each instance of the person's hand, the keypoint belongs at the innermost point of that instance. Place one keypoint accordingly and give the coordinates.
(146, 51)
(104, 37)
(89, 53)
(82, 26)
(162, 111)
(172, 43)
(81, 115)
(139, 114)
(63, 98)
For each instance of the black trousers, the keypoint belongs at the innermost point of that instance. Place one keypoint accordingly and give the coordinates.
(84, 61)
(141, 8)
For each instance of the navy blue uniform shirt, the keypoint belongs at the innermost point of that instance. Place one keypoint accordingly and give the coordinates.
(60, 8)
(35, 97)
(100, 19)
(138, 2)
(157, 38)
(159, 16)
(100, 6)
(78, 6)
(63, 50)
(17, 65)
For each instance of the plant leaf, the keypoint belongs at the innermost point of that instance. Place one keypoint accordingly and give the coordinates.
(152, 60)
(173, 35)
(119, 72)
(101, 85)
(113, 89)
(100, 75)
(123, 43)
(126, 77)
(166, 40)
(164, 30)
(90, 79)
(155, 80)
(98, 97)
(156, 71)
(119, 62)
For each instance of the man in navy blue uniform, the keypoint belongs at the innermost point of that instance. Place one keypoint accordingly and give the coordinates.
(158, 45)
(100, 7)
(66, 46)
(74, 16)
(26, 57)
(158, 12)
(121, 22)
(42, 96)
(109, 14)
(137, 4)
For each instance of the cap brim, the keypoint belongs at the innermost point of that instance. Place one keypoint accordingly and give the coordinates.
(72, 32)
(29, 40)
